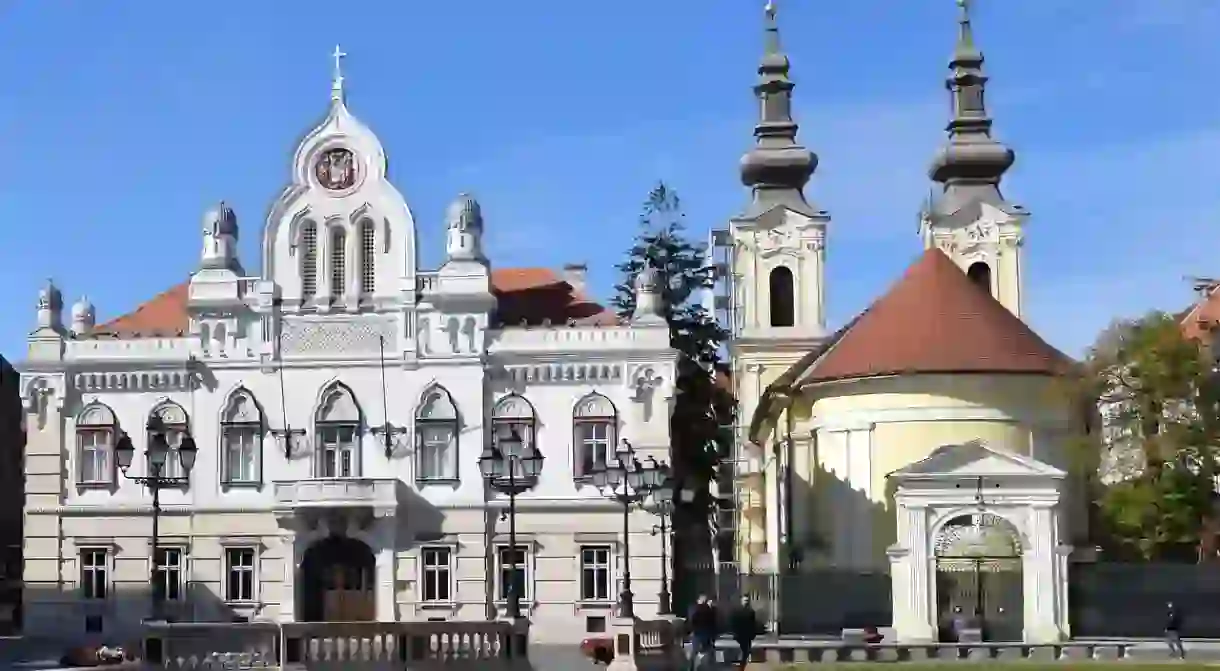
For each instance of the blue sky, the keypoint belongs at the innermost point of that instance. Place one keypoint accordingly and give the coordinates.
(123, 120)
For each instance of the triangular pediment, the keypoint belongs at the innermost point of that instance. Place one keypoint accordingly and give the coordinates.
(975, 459)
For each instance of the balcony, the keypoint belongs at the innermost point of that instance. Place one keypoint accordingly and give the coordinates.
(375, 493)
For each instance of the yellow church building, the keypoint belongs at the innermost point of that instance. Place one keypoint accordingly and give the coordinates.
(925, 442)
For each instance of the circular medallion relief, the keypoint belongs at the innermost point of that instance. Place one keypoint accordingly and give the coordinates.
(336, 169)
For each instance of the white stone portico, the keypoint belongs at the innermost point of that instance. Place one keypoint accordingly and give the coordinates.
(954, 506)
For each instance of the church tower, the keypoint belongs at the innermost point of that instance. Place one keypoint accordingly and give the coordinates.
(969, 219)
(773, 274)
(778, 242)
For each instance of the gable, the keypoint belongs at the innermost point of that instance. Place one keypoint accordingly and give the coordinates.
(972, 460)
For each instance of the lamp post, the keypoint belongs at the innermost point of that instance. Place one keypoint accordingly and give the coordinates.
(662, 503)
(510, 467)
(156, 480)
(630, 482)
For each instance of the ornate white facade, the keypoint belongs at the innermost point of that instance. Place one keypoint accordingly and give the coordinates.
(342, 393)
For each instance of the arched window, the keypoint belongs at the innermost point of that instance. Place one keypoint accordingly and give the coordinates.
(782, 297)
(436, 429)
(368, 257)
(170, 420)
(338, 260)
(513, 415)
(96, 429)
(241, 431)
(338, 429)
(309, 259)
(980, 274)
(594, 425)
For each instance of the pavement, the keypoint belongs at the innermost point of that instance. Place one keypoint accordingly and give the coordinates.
(23, 655)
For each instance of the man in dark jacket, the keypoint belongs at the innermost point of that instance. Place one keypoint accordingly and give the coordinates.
(744, 627)
(701, 622)
(1173, 631)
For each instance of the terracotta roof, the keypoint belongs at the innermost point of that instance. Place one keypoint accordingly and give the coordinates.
(530, 295)
(936, 320)
(1202, 317)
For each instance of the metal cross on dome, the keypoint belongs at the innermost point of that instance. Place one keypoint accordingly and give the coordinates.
(336, 86)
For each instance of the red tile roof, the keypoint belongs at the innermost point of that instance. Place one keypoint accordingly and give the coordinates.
(936, 320)
(1204, 316)
(530, 295)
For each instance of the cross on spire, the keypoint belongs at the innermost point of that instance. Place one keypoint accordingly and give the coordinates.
(336, 85)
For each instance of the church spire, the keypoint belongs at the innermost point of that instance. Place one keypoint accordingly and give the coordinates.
(971, 165)
(777, 168)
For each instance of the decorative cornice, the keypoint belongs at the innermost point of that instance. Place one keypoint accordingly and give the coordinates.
(592, 504)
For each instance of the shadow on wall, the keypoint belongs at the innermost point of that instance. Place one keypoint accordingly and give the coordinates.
(60, 618)
(825, 588)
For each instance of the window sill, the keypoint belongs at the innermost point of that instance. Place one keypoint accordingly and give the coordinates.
(241, 484)
(595, 604)
(90, 486)
(437, 605)
(438, 482)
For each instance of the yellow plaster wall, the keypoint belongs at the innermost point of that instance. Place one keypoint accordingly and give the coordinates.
(849, 439)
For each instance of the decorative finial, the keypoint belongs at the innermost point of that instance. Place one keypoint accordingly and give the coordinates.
(963, 21)
(336, 84)
(770, 10)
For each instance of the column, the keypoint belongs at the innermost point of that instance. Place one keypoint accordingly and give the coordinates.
(1041, 590)
(915, 604)
(386, 537)
(293, 552)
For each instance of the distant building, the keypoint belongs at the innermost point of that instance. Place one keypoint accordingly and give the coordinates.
(12, 487)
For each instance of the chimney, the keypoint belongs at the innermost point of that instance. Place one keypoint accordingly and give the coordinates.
(575, 274)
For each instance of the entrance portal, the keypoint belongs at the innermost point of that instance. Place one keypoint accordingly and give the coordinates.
(338, 582)
(979, 581)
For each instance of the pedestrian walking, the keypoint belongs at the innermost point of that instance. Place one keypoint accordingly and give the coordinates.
(701, 622)
(744, 628)
(1173, 631)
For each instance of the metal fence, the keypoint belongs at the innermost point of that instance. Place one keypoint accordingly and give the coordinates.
(1130, 599)
(819, 601)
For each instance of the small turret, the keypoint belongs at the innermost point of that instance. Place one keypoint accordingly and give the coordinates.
(649, 301)
(83, 317)
(50, 308)
(464, 219)
(220, 239)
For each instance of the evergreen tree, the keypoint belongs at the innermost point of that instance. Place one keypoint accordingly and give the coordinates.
(702, 406)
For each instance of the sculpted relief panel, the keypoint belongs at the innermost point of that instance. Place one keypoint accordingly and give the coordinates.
(360, 336)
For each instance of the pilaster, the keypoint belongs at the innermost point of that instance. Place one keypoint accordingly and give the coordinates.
(916, 604)
(1041, 588)
(385, 532)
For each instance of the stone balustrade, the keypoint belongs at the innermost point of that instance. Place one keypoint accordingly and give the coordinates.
(794, 651)
(358, 646)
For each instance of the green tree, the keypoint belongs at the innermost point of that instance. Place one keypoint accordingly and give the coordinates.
(1156, 396)
(702, 407)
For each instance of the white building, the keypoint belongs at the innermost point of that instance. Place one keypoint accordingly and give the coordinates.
(290, 381)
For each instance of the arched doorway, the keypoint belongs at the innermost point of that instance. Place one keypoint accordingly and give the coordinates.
(980, 274)
(979, 581)
(338, 582)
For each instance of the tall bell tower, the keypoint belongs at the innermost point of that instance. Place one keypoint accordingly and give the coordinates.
(772, 269)
(970, 220)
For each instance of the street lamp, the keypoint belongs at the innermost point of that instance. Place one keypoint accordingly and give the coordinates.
(510, 467)
(628, 481)
(662, 504)
(155, 480)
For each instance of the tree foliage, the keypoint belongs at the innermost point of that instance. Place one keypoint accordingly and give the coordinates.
(702, 407)
(1156, 394)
